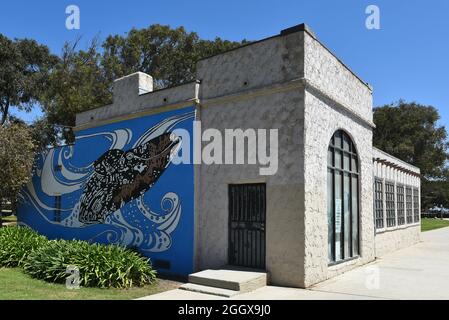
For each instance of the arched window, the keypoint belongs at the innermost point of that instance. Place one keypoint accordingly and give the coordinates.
(342, 198)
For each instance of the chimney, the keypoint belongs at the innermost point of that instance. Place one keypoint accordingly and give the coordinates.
(128, 88)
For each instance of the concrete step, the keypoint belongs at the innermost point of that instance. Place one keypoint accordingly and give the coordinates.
(236, 280)
(209, 290)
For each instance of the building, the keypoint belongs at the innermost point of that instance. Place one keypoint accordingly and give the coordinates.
(334, 203)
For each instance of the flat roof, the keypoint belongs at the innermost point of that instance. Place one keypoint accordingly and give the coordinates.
(297, 28)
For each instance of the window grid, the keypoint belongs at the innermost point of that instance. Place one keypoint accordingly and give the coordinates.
(400, 205)
(378, 204)
(390, 204)
(416, 205)
(343, 173)
(409, 203)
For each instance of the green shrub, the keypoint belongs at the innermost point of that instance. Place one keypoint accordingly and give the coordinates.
(16, 243)
(100, 266)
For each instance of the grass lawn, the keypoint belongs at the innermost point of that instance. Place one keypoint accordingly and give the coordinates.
(15, 285)
(432, 224)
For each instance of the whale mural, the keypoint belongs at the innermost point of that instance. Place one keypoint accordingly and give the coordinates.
(118, 184)
(120, 177)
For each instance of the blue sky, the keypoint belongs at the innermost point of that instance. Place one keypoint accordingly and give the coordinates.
(407, 58)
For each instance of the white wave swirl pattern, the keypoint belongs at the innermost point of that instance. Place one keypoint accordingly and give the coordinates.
(70, 179)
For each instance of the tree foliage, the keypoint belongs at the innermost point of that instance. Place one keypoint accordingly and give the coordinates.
(434, 193)
(169, 55)
(76, 84)
(83, 79)
(410, 131)
(16, 159)
(24, 69)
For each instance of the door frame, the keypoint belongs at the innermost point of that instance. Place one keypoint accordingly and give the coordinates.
(263, 241)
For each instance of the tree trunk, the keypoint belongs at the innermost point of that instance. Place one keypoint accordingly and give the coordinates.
(3, 119)
(5, 113)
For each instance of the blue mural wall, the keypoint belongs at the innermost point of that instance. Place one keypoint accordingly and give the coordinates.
(118, 184)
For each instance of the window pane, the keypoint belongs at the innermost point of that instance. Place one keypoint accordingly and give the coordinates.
(416, 205)
(408, 202)
(330, 160)
(400, 205)
(337, 139)
(355, 216)
(338, 215)
(330, 213)
(353, 150)
(338, 159)
(342, 199)
(378, 204)
(347, 221)
(346, 160)
(355, 164)
(346, 142)
(390, 204)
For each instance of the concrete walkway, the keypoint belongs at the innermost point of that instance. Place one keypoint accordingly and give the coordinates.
(418, 272)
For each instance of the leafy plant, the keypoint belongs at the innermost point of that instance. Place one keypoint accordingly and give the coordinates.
(16, 159)
(16, 243)
(24, 69)
(100, 266)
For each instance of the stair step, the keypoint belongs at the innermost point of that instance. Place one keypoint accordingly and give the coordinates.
(241, 281)
(209, 290)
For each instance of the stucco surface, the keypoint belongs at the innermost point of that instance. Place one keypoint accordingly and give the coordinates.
(273, 60)
(398, 238)
(326, 72)
(321, 120)
(127, 101)
(284, 225)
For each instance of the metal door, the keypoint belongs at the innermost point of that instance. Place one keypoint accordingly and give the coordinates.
(247, 216)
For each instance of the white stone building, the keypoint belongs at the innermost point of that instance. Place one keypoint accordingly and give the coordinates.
(335, 203)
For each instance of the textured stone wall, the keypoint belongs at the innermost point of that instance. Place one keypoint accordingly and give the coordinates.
(128, 101)
(251, 88)
(394, 239)
(331, 98)
(273, 60)
(321, 120)
(335, 99)
(328, 73)
(284, 225)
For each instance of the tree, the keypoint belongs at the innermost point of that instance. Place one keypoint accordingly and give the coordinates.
(83, 79)
(435, 193)
(45, 134)
(16, 159)
(168, 55)
(76, 84)
(24, 70)
(410, 131)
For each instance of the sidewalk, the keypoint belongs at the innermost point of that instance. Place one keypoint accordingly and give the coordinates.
(417, 272)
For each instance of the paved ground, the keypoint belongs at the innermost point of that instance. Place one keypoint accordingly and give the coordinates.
(418, 272)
